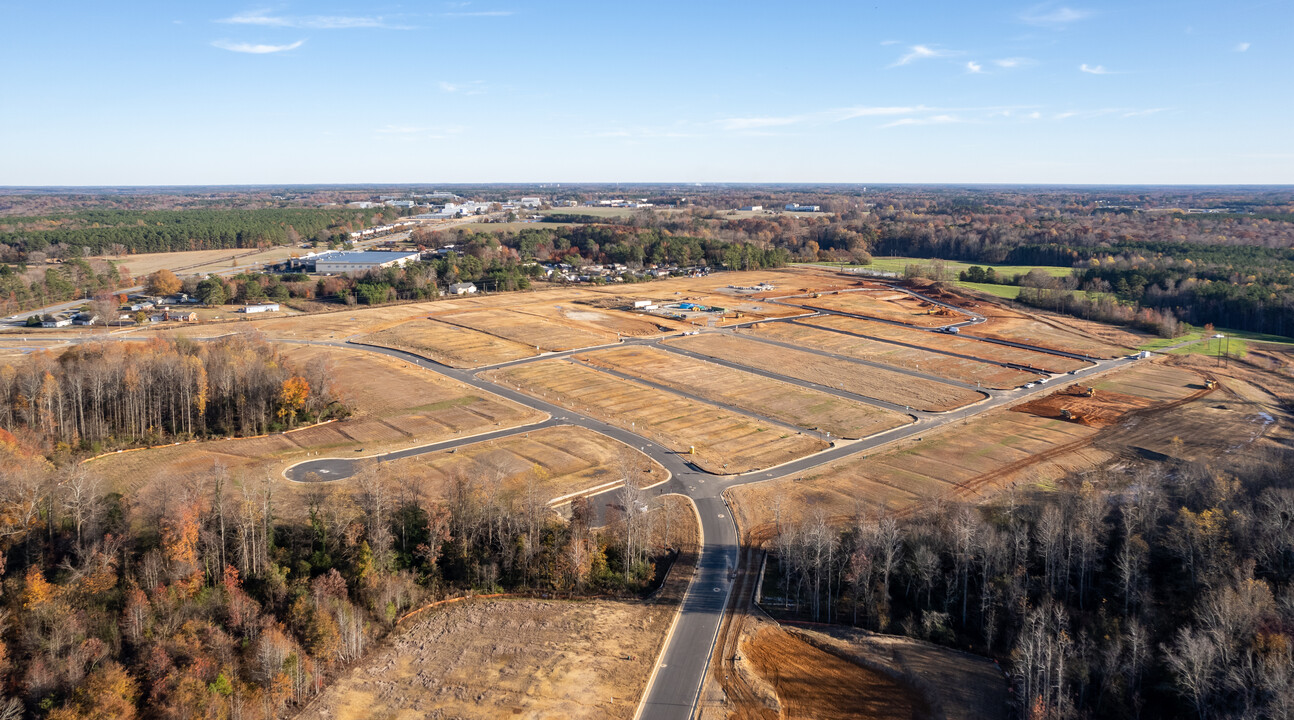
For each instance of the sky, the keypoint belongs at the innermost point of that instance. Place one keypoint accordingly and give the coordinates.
(157, 93)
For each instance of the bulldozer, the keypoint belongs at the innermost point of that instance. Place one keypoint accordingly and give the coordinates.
(1081, 391)
(1211, 384)
(1070, 415)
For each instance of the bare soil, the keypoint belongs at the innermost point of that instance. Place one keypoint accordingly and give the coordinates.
(449, 344)
(885, 304)
(867, 381)
(784, 402)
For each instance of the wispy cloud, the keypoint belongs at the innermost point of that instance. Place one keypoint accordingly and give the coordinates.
(1143, 113)
(930, 120)
(746, 124)
(1013, 62)
(263, 18)
(1241, 47)
(923, 52)
(974, 67)
(1052, 15)
(472, 87)
(1095, 70)
(256, 49)
(481, 13)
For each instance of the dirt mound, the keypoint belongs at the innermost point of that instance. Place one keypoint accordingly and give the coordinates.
(1101, 410)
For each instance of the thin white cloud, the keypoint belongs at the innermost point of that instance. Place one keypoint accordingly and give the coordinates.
(923, 52)
(890, 42)
(473, 87)
(447, 86)
(256, 49)
(752, 123)
(263, 18)
(1143, 113)
(481, 13)
(1052, 15)
(1242, 47)
(974, 67)
(1013, 62)
(931, 120)
(1095, 69)
(1035, 115)
(857, 112)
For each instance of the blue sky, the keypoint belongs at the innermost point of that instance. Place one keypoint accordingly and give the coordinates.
(521, 90)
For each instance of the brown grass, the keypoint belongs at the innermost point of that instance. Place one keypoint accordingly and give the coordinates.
(784, 402)
(870, 382)
(546, 334)
(955, 368)
(448, 344)
(884, 304)
(1041, 331)
(951, 343)
(957, 460)
(721, 437)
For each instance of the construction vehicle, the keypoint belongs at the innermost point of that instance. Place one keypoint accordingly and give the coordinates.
(1067, 414)
(1081, 391)
(1211, 384)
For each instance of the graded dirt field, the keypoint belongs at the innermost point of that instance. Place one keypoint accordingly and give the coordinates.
(448, 344)
(600, 320)
(784, 402)
(961, 345)
(520, 657)
(954, 368)
(1012, 326)
(884, 304)
(550, 463)
(887, 385)
(394, 404)
(1100, 410)
(528, 330)
(726, 441)
(809, 682)
(968, 457)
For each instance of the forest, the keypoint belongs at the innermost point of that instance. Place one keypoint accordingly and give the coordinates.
(1165, 592)
(118, 232)
(104, 396)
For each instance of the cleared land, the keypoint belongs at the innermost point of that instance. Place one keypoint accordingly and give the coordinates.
(522, 328)
(1012, 326)
(194, 262)
(520, 657)
(1100, 410)
(885, 304)
(600, 320)
(394, 404)
(809, 682)
(448, 344)
(886, 385)
(725, 441)
(957, 460)
(548, 463)
(955, 368)
(951, 343)
(784, 402)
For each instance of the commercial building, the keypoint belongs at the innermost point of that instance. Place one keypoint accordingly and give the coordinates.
(263, 307)
(796, 207)
(359, 260)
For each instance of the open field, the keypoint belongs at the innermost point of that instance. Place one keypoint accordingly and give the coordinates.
(955, 368)
(885, 304)
(809, 682)
(448, 344)
(784, 402)
(546, 464)
(1013, 326)
(199, 262)
(951, 343)
(960, 459)
(600, 320)
(898, 264)
(870, 382)
(394, 404)
(525, 329)
(725, 441)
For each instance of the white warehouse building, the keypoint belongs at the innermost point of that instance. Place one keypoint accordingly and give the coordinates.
(361, 260)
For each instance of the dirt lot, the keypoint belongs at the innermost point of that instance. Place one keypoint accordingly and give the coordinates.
(870, 382)
(394, 404)
(551, 463)
(809, 682)
(1100, 410)
(721, 437)
(600, 320)
(521, 658)
(962, 459)
(523, 328)
(952, 343)
(885, 304)
(196, 262)
(955, 368)
(784, 402)
(448, 344)
(1007, 324)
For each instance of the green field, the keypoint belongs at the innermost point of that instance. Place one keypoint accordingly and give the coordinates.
(1200, 345)
(1009, 292)
(897, 264)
